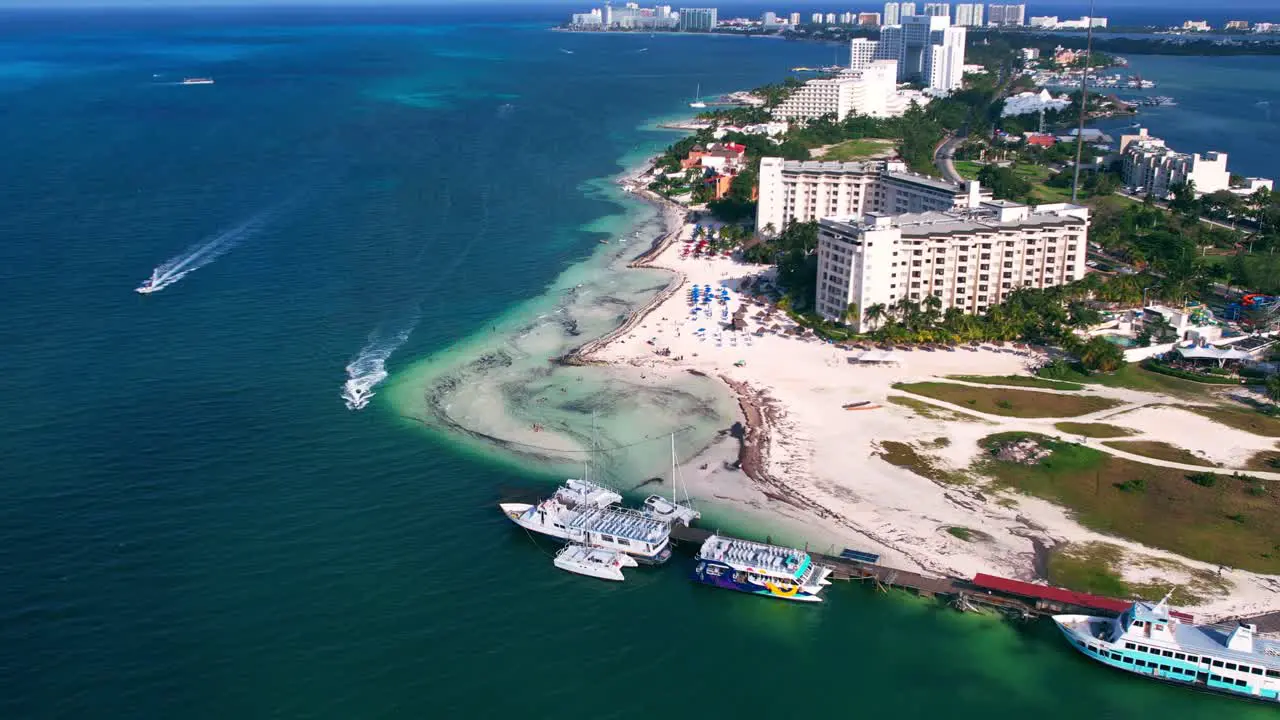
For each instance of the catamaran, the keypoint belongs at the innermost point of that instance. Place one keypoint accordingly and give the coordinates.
(1151, 641)
(672, 510)
(593, 562)
(760, 569)
(645, 538)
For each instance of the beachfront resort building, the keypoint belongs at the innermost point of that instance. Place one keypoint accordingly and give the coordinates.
(1149, 167)
(969, 259)
(928, 48)
(800, 191)
(969, 14)
(626, 17)
(869, 90)
(697, 19)
(1011, 15)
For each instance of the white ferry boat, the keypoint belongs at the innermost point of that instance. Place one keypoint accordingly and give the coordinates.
(593, 562)
(760, 569)
(583, 512)
(1148, 640)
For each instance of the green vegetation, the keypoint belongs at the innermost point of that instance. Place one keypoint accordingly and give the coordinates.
(1160, 451)
(857, 149)
(1164, 510)
(1135, 377)
(792, 251)
(1096, 568)
(1018, 381)
(1010, 403)
(1268, 460)
(963, 533)
(1250, 421)
(904, 455)
(1093, 430)
(1206, 378)
(931, 411)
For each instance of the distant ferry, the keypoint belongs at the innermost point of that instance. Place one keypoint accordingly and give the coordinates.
(197, 81)
(760, 569)
(1147, 640)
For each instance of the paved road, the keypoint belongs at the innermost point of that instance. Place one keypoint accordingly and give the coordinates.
(944, 159)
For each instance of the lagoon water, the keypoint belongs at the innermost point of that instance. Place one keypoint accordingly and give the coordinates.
(194, 524)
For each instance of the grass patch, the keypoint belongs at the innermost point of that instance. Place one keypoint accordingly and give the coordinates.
(1097, 568)
(905, 455)
(1160, 451)
(1018, 381)
(858, 149)
(1135, 377)
(1010, 403)
(1268, 460)
(1093, 430)
(1164, 510)
(963, 533)
(1250, 421)
(931, 411)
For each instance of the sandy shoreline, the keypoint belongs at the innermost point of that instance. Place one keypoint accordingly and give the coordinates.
(806, 466)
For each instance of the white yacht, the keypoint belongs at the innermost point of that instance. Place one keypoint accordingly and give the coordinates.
(583, 512)
(672, 510)
(593, 562)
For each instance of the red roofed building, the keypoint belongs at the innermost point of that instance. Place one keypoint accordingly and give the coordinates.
(1049, 593)
(1044, 140)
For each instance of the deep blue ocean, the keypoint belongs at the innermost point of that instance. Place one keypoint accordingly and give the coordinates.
(192, 522)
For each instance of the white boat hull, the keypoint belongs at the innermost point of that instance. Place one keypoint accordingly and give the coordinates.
(519, 514)
(592, 562)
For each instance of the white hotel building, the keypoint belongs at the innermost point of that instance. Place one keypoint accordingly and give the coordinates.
(969, 259)
(1149, 167)
(868, 90)
(800, 191)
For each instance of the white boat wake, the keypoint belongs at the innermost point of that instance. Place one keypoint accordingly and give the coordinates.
(369, 368)
(201, 254)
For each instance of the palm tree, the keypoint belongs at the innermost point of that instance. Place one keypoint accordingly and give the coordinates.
(850, 312)
(876, 314)
(1273, 388)
(932, 310)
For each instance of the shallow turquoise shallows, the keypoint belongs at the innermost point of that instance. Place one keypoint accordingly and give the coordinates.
(192, 522)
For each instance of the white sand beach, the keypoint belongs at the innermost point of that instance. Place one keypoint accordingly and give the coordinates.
(817, 464)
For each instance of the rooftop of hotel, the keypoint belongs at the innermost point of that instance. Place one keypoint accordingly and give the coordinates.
(855, 166)
(985, 218)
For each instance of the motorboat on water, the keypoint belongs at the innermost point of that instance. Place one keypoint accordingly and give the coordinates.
(197, 81)
(593, 561)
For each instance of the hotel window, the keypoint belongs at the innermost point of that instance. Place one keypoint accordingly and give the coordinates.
(1008, 275)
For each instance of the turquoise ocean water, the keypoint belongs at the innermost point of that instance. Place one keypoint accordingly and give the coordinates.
(192, 522)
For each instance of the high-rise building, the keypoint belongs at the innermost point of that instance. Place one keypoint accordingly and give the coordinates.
(795, 19)
(870, 90)
(697, 19)
(1149, 167)
(830, 18)
(905, 9)
(861, 52)
(891, 10)
(846, 18)
(768, 19)
(801, 191)
(969, 14)
(928, 49)
(869, 19)
(816, 18)
(969, 258)
(1007, 15)
(938, 9)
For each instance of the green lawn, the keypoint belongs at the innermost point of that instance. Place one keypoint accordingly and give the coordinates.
(1160, 451)
(1018, 381)
(1093, 430)
(1135, 377)
(1236, 522)
(1096, 568)
(1008, 402)
(858, 149)
(968, 169)
(1034, 174)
